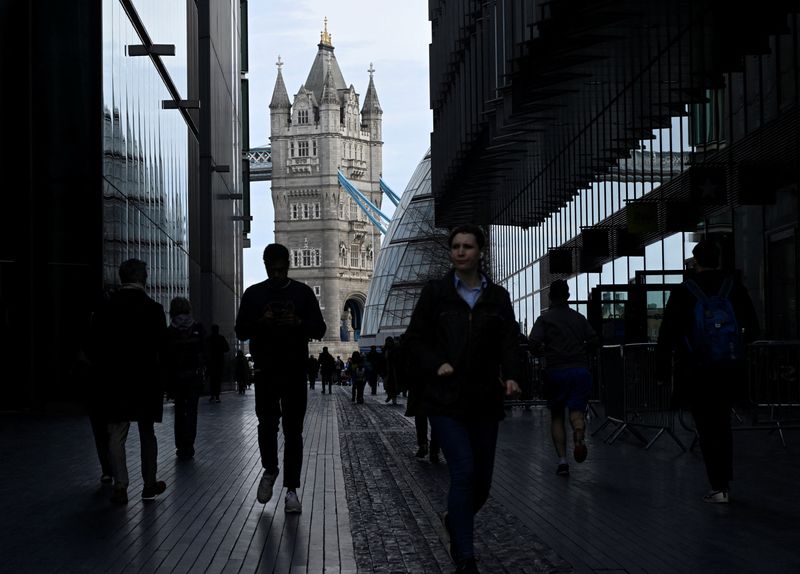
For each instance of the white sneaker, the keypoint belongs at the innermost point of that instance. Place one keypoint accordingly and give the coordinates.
(716, 497)
(292, 504)
(265, 487)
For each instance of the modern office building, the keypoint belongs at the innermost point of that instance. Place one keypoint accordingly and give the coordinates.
(601, 140)
(128, 120)
(317, 136)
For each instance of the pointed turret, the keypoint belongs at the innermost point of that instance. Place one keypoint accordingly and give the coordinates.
(329, 107)
(279, 107)
(371, 112)
(371, 104)
(324, 64)
(280, 97)
(329, 93)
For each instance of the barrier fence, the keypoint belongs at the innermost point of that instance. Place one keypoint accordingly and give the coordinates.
(634, 396)
(773, 388)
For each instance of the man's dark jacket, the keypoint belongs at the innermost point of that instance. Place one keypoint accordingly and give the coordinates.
(128, 334)
(480, 343)
(280, 348)
(692, 383)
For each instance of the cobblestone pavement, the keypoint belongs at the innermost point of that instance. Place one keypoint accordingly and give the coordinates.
(394, 501)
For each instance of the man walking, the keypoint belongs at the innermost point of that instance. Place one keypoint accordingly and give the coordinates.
(564, 337)
(327, 365)
(279, 316)
(707, 321)
(128, 334)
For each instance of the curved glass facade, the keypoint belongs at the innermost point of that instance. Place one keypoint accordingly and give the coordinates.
(145, 155)
(413, 252)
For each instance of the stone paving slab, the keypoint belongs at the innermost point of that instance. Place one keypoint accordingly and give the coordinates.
(394, 501)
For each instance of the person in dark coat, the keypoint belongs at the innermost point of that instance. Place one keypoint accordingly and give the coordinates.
(183, 361)
(327, 367)
(217, 349)
(390, 370)
(312, 371)
(128, 334)
(706, 389)
(279, 316)
(408, 378)
(241, 372)
(463, 339)
(357, 372)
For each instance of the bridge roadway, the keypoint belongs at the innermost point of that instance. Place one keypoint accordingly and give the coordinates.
(370, 506)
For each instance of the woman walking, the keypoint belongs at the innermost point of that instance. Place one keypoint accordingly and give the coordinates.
(463, 337)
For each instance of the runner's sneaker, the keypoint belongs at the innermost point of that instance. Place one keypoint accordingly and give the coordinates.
(716, 497)
(580, 451)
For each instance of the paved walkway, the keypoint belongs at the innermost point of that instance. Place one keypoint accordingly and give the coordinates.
(370, 506)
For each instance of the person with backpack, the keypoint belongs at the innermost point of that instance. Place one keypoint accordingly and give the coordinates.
(708, 320)
(184, 361)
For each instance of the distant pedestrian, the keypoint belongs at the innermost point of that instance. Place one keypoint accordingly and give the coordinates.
(340, 372)
(279, 316)
(373, 367)
(327, 367)
(241, 372)
(708, 320)
(313, 371)
(390, 370)
(565, 338)
(128, 334)
(357, 371)
(463, 339)
(184, 363)
(217, 349)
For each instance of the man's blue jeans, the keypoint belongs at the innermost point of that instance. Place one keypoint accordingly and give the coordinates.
(468, 446)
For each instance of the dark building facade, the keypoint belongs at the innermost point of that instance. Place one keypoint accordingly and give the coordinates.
(601, 140)
(127, 143)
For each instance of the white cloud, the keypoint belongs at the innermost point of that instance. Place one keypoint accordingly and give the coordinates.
(393, 36)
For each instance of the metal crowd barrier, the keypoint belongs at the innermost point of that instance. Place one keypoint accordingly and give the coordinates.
(633, 394)
(773, 386)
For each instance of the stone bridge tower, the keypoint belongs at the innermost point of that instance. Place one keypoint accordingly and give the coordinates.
(332, 244)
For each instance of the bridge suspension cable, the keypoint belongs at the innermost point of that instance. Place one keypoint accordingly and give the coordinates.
(393, 197)
(361, 200)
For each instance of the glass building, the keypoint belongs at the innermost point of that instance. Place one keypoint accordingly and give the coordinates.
(129, 120)
(413, 252)
(601, 141)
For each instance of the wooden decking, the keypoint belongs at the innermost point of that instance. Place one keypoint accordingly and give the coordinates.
(369, 505)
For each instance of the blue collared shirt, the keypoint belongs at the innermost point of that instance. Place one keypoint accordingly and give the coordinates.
(467, 293)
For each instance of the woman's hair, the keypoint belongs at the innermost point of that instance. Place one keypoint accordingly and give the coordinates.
(356, 357)
(473, 230)
(179, 306)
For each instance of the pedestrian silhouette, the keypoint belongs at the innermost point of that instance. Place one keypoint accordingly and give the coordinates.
(128, 334)
(184, 362)
(279, 316)
(707, 321)
(565, 338)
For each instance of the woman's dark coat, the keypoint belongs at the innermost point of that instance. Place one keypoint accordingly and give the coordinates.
(480, 343)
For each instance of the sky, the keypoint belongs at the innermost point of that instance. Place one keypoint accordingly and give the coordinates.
(393, 36)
